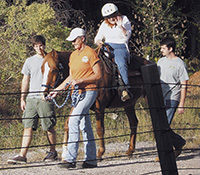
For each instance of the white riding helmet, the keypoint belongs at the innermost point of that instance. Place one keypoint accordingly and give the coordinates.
(108, 9)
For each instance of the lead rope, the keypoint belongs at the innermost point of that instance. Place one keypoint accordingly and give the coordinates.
(76, 96)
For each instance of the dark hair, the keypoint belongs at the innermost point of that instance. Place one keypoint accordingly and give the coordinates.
(169, 42)
(38, 39)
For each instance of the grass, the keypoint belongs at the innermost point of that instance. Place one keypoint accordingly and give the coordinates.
(187, 125)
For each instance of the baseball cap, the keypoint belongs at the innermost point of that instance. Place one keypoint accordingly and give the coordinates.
(76, 32)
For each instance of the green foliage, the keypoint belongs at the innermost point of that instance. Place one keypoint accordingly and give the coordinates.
(193, 65)
(21, 22)
(153, 20)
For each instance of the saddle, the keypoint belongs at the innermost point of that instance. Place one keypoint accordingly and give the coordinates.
(106, 56)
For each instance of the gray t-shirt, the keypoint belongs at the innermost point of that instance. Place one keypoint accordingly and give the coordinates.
(32, 68)
(172, 73)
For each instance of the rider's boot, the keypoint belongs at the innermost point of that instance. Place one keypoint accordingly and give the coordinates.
(125, 94)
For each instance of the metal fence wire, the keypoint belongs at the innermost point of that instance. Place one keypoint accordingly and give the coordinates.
(116, 124)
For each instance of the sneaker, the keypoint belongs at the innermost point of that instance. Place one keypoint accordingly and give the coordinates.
(87, 165)
(17, 160)
(51, 156)
(68, 165)
(125, 96)
(178, 151)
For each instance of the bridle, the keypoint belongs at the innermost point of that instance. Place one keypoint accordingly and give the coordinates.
(60, 77)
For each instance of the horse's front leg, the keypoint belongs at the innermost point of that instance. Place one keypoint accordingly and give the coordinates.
(66, 132)
(133, 122)
(65, 139)
(100, 131)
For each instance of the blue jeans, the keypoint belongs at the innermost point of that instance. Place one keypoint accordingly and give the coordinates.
(171, 106)
(80, 120)
(121, 56)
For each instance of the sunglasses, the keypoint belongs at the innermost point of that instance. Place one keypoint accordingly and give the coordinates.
(75, 39)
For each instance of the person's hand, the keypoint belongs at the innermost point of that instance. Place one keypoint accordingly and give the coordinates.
(51, 95)
(23, 104)
(99, 42)
(118, 21)
(180, 110)
(76, 82)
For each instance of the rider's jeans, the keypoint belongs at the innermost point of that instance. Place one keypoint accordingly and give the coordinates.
(121, 56)
(80, 120)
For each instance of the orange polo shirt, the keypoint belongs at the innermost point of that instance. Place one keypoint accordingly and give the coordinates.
(81, 64)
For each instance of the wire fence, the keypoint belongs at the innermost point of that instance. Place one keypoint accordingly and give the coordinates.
(186, 126)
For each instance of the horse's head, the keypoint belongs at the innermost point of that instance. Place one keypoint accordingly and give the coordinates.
(51, 71)
(54, 69)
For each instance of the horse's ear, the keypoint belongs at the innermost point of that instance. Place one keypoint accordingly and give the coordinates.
(43, 53)
(54, 53)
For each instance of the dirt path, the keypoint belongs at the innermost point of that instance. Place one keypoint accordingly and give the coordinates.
(142, 163)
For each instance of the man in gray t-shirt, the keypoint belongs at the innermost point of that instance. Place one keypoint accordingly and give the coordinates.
(34, 107)
(173, 77)
(32, 68)
(173, 73)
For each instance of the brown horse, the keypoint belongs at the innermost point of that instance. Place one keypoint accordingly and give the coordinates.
(107, 97)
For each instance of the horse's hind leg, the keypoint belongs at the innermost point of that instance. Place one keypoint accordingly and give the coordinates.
(133, 122)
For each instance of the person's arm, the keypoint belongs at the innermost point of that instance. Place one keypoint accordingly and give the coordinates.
(100, 35)
(119, 22)
(125, 25)
(99, 42)
(183, 96)
(24, 90)
(91, 79)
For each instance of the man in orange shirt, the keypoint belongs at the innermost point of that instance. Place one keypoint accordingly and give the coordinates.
(84, 72)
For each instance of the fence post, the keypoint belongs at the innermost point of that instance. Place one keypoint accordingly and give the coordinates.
(160, 124)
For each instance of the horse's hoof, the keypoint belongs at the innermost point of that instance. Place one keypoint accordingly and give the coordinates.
(130, 153)
(100, 154)
(99, 158)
